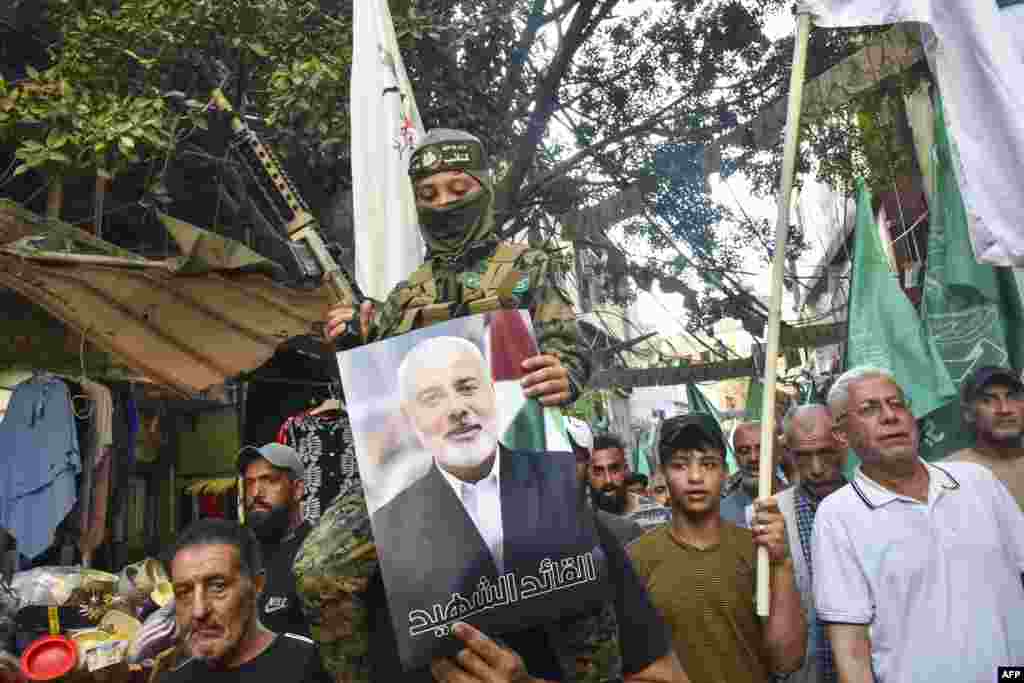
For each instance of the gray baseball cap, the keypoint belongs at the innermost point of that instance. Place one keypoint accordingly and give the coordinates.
(276, 454)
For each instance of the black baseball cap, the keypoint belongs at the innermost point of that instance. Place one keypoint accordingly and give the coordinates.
(985, 375)
(688, 431)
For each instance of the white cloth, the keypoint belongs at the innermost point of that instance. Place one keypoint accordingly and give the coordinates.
(978, 60)
(482, 502)
(939, 583)
(385, 128)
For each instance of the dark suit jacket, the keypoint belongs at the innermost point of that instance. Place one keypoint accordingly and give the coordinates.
(430, 549)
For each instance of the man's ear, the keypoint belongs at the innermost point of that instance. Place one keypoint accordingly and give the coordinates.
(298, 488)
(968, 414)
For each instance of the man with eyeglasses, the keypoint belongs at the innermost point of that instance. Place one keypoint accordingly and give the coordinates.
(993, 409)
(917, 567)
(699, 569)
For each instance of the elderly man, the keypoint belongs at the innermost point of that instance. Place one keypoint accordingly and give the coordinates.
(993, 409)
(217, 574)
(700, 568)
(818, 458)
(917, 567)
(274, 485)
(468, 270)
(741, 489)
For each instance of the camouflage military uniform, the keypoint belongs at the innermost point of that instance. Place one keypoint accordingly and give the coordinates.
(467, 272)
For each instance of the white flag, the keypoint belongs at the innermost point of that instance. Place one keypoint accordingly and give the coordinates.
(385, 127)
(977, 55)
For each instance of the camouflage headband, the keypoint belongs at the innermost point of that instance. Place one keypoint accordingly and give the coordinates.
(461, 155)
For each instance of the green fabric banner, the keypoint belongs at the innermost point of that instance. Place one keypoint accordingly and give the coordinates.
(884, 328)
(972, 312)
(699, 403)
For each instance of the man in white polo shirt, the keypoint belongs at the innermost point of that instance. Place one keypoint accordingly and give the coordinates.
(917, 567)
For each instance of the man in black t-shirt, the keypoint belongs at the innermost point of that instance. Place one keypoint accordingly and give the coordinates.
(274, 484)
(217, 574)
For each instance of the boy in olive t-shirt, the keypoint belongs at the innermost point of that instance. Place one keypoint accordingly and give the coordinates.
(700, 570)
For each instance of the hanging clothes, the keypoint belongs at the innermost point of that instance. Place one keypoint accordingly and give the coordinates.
(97, 464)
(325, 445)
(39, 460)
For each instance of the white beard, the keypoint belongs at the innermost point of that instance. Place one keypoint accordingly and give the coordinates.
(469, 454)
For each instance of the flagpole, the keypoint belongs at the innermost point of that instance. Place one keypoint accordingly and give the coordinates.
(766, 468)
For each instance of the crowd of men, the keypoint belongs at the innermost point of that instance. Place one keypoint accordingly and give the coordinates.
(898, 571)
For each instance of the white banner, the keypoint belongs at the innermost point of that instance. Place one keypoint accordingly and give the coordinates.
(385, 127)
(978, 60)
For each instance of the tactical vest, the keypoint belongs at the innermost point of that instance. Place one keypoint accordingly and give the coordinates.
(496, 290)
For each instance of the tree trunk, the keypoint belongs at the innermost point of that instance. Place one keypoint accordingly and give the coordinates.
(103, 179)
(55, 196)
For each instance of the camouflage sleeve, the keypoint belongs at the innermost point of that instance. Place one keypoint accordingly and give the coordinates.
(554, 318)
(332, 569)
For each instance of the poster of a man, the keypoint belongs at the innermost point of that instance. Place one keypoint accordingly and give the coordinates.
(468, 527)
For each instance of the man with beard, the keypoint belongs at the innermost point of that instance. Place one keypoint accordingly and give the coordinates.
(581, 438)
(481, 510)
(741, 489)
(993, 409)
(700, 569)
(607, 475)
(216, 571)
(818, 458)
(917, 566)
(273, 476)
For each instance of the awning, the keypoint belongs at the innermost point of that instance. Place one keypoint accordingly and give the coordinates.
(186, 331)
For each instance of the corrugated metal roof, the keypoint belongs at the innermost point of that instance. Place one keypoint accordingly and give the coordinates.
(188, 332)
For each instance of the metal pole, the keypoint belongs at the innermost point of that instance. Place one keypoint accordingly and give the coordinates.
(765, 476)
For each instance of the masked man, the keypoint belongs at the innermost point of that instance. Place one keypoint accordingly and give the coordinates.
(467, 271)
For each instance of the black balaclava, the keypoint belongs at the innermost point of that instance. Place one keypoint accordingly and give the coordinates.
(451, 230)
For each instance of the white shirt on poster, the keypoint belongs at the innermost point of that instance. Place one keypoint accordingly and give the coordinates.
(482, 502)
(938, 583)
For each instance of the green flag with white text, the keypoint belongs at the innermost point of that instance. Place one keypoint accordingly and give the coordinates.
(972, 312)
(884, 329)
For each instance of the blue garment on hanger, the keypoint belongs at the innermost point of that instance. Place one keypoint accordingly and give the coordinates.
(39, 459)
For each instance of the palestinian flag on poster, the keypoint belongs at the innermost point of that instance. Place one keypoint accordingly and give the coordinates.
(526, 424)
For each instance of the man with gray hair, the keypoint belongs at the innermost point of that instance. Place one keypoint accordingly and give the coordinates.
(917, 567)
(740, 490)
(818, 458)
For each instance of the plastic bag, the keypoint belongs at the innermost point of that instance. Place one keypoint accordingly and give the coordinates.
(57, 586)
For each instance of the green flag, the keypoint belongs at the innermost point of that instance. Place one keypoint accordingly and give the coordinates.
(884, 329)
(972, 312)
(699, 403)
(755, 399)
